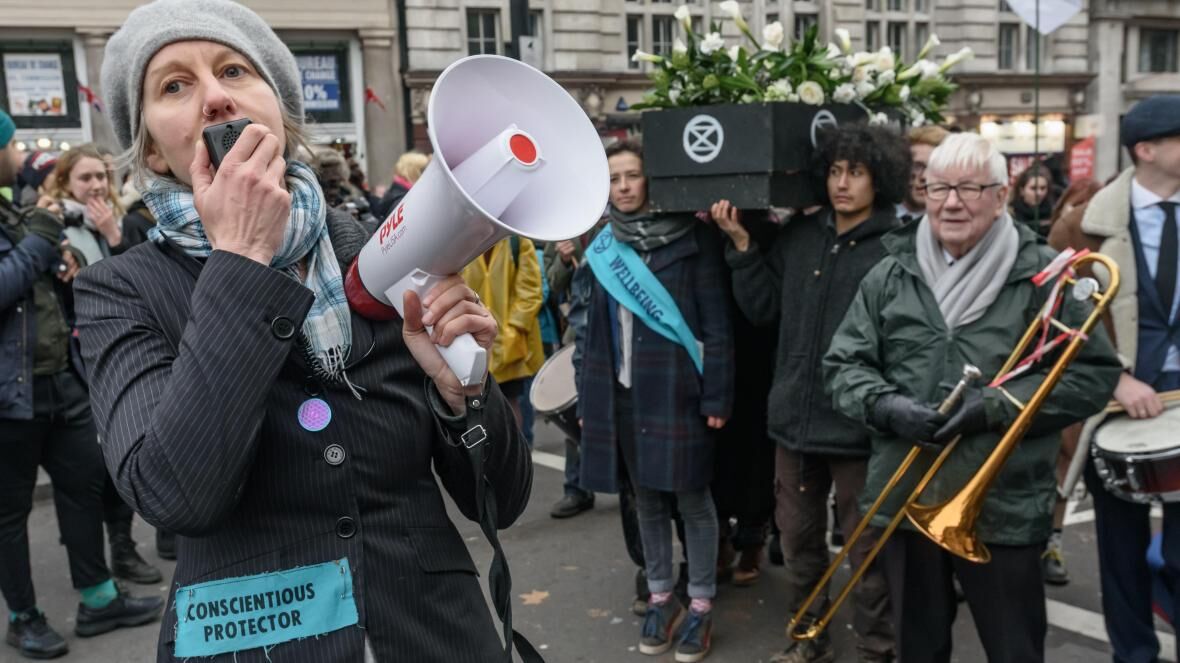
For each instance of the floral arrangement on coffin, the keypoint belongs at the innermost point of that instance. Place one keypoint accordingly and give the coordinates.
(707, 71)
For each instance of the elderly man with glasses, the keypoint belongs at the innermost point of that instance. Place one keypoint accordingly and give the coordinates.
(956, 288)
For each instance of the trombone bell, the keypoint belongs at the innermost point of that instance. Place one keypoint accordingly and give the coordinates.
(950, 527)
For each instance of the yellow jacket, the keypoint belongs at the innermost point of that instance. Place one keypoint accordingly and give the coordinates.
(511, 290)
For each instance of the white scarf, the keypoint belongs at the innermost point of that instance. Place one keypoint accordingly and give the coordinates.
(966, 288)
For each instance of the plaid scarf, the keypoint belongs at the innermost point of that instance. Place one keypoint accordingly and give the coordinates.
(645, 231)
(328, 327)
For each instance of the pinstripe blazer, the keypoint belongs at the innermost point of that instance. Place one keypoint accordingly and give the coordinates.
(196, 389)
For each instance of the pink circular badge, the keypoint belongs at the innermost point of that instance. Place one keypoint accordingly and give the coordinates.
(315, 415)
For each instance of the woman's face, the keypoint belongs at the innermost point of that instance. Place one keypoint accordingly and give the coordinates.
(1034, 191)
(88, 179)
(190, 85)
(628, 186)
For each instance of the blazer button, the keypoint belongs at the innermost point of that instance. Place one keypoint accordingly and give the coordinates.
(334, 454)
(345, 528)
(282, 328)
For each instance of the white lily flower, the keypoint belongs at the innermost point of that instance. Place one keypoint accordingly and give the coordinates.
(878, 119)
(734, 10)
(793, 98)
(844, 93)
(844, 39)
(886, 77)
(712, 43)
(860, 74)
(884, 59)
(904, 94)
(773, 36)
(923, 68)
(679, 47)
(865, 88)
(811, 93)
(833, 52)
(931, 43)
(734, 52)
(862, 59)
(953, 59)
(684, 17)
(644, 56)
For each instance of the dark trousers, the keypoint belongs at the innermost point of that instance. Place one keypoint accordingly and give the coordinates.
(1124, 532)
(801, 486)
(61, 438)
(1006, 597)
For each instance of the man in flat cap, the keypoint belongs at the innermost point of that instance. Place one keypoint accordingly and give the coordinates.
(1134, 221)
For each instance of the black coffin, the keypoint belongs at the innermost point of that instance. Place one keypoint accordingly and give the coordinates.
(756, 156)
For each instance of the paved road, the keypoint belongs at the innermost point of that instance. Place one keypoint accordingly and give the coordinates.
(580, 568)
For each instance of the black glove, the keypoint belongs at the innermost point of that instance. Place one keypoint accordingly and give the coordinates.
(45, 224)
(910, 421)
(969, 419)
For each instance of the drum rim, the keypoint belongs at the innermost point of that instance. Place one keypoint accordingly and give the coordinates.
(567, 349)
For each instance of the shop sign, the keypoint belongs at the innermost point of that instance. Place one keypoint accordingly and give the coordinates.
(320, 76)
(36, 84)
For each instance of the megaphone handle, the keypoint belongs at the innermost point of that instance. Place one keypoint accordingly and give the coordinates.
(467, 359)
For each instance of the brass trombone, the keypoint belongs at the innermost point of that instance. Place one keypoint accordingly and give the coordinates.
(951, 524)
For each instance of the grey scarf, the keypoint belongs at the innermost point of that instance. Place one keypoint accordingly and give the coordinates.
(644, 231)
(969, 286)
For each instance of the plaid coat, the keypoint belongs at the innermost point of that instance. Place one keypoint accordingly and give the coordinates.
(674, 445)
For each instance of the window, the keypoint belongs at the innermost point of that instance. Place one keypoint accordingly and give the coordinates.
(896, 37)
(803, 23)
(663, 31)
(871, 5)
(771, 17)
(535, 23)
(896, 5)
(1157, 50)
(1033, 42)
(1003, 7)
(1008, 45)
(872, 36)
(483, 29)
(634, 28)
(921, 34)
(920, 6)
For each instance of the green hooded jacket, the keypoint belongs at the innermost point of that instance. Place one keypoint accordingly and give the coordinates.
(894, 339)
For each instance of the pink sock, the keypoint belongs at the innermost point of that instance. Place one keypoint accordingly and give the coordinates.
(701, 606)
(660, 598)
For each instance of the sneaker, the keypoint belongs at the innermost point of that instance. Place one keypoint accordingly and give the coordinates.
(571, 505)
(807, 651)
(659, 625)
(127, 564)
(125, 610)
(33, 636)
(695, 636)
(1053, 566)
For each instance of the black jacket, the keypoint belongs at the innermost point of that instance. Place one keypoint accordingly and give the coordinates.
(197, 382)
(805, 280)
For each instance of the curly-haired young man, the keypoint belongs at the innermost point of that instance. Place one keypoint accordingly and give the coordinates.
(804, 282)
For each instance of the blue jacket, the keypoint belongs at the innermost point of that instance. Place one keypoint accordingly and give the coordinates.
(24, 258)
(674, 447)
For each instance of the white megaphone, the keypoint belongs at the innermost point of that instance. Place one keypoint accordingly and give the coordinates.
(514, 154)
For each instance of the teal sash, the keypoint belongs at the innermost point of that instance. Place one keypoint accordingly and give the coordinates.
(625, 277)
(235, 614)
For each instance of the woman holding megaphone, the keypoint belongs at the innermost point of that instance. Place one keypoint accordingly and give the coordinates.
(240, 403)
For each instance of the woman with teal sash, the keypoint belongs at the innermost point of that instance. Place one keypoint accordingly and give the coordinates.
(655, 379)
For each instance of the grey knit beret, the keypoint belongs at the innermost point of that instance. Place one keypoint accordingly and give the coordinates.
(158, 24)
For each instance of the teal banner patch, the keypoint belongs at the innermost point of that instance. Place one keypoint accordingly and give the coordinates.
(236, 614)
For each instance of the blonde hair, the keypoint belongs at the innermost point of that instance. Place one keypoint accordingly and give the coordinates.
(930, 134)
(57, 185)
(410, 165)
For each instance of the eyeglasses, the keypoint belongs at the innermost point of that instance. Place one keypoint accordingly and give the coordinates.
(967, 192)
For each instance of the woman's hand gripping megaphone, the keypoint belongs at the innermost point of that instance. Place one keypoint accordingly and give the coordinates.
(451, 309)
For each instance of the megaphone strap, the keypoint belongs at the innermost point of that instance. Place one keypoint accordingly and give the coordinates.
(475, 441)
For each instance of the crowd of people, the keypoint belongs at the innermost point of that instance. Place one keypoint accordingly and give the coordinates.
(175, 338)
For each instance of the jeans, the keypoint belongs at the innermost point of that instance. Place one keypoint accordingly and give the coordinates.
(573, 471)
(656, 510)
(61, 438)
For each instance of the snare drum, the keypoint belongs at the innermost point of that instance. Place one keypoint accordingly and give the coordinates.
(1139, 459)
(554, 394)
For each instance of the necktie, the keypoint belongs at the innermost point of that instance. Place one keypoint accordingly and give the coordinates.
(1165, 272)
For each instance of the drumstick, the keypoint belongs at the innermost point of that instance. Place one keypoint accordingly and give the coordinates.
(1165, 396)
